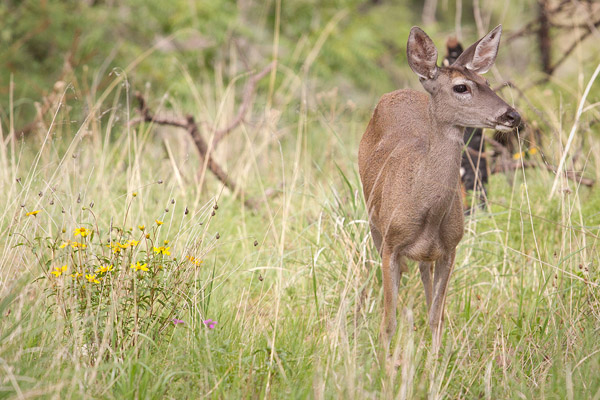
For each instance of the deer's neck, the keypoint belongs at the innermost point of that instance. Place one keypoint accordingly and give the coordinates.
(445, 143)
(443, 129)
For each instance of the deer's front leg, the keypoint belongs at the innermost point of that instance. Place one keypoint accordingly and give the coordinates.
(390, 297)
(443, 270)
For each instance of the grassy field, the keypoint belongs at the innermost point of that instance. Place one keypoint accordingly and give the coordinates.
(129, 271)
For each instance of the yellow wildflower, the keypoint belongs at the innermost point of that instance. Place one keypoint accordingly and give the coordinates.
(59, 271)
(104, 269)
(114, 247)
(82, 231)
(65, 244)
(147, 236)
(140, 267)
(166, 242)
(194, 260)
(34, 213)
(92, 278)
(77, 244)
(134, 194)
(518, 156)
(133, 243)
(159, 223)
(76, 275)
(533, 151)
(162, 250)
(141, 227)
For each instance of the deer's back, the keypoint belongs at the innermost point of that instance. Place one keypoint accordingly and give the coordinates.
(395, 142)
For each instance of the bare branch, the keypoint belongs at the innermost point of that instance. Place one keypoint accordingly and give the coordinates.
(189, 124)
(246, 99)
(571, 48)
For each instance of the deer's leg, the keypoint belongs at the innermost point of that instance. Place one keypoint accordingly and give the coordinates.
(426, 269)
(443, 270)
(376, 235)
(389, 269)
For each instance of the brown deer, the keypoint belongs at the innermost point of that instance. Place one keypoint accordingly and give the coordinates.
(409, 162)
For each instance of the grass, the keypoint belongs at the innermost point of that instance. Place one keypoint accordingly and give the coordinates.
(295, 285)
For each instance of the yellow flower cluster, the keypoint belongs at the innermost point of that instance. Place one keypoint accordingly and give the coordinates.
(73, 244)
(34, 213)
(117, 247)
(532, 151)
(194, 260)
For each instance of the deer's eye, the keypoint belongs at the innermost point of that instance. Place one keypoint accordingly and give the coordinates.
(460, 88)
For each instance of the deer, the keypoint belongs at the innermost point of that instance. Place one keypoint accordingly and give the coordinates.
(409, 164)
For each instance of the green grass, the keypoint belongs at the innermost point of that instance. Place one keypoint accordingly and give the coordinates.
(298, 313)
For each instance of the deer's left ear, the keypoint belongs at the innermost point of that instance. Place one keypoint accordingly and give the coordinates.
(480, 56)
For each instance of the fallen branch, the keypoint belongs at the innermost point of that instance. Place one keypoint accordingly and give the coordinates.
(189, 124)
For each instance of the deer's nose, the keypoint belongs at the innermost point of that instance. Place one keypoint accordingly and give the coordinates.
(512, 118)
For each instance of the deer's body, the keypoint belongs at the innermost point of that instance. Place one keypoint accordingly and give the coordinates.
(409, 163)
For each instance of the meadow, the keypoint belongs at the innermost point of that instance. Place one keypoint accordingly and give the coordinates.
(128, 270)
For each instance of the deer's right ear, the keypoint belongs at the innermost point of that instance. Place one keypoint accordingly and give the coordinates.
(480, 56)
(422, 54)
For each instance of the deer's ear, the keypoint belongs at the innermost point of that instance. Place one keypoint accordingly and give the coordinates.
(422, 54)
(480, 56)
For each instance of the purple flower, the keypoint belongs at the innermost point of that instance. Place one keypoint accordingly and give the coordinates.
(210, 323)
(177, 321)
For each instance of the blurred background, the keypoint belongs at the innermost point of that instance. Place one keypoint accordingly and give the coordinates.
(356, 47)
